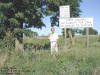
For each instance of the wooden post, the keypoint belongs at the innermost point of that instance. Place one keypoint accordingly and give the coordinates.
(65, 36)
(70, 35)
(87, 37)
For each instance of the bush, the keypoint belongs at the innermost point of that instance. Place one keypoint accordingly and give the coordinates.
(8, 41)
(36, 44)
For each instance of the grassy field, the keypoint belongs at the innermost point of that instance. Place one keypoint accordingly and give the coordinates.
(70, 60)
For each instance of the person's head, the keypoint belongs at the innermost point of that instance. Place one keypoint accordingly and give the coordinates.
(52, 30)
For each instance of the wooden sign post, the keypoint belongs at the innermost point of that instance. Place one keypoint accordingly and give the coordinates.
(66, 22)
(87, 37)
(64, 14)
(77, 23)
(65, 36)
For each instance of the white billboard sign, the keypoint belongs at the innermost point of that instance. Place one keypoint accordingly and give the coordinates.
(65, 11)
(75, 22)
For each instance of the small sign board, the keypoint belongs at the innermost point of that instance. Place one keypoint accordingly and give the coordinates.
(64, 11)
(75, 22)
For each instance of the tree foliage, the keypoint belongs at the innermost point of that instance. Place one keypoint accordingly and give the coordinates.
(15, 13)
(91, 31)
(52, 9)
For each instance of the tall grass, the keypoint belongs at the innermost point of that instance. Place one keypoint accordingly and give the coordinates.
(76, 60)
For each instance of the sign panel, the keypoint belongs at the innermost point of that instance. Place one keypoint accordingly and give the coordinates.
(75, 22)
(65, 11)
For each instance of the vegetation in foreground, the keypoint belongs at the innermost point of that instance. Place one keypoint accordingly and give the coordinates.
(73, 60)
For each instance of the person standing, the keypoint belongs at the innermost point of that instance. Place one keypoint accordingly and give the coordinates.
(53, 37)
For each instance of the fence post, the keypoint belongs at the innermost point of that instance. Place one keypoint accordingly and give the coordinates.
(87, 37)
(65, 37)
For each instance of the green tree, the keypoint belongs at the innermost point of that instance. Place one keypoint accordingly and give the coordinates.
(91, 31)
(15, 13)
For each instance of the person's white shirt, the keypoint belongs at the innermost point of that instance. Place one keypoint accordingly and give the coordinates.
(53, 37)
